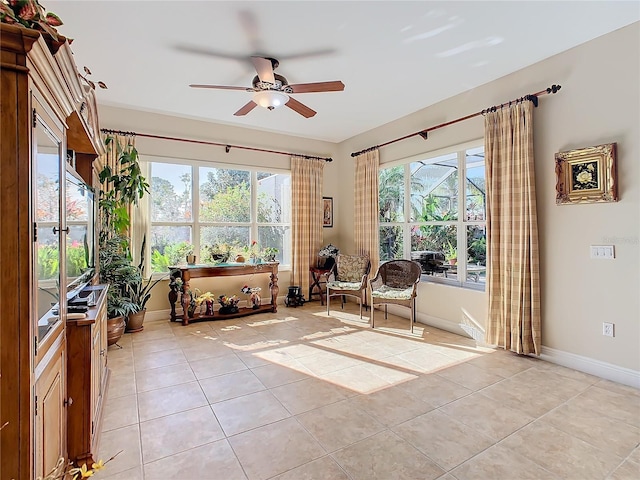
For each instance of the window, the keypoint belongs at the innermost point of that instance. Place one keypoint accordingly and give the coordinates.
(194, 207)
(432, 210)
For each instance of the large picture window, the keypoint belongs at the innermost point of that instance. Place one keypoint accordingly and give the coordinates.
(432, 210)
(194, 207)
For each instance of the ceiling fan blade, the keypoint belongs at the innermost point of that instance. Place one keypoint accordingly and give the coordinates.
(316, 53)
(249, 24)
(300, 108)
(264, 67)
(209, 52)
(336, 86)
(220, 87)
(246, 109)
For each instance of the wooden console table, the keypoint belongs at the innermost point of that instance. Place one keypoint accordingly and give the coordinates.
(187, 272)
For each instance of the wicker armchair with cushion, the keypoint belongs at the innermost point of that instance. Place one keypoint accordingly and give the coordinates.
(395, 283)
(349, 276)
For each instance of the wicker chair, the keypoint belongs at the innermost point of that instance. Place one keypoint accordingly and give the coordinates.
(349, 277)
(395, 283)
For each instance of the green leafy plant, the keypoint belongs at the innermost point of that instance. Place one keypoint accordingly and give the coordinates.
(29, 14)
(451, 252)
(119, 188)
(139, 289)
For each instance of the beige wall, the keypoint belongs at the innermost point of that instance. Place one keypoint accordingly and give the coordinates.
(599, 103)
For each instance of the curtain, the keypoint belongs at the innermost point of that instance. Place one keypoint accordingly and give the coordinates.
(366, 207)
(306, 213)
(513, 275)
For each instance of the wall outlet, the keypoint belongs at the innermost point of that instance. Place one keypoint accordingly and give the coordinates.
(607, 329)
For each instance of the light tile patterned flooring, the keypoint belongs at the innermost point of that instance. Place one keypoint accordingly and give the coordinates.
(299, 395)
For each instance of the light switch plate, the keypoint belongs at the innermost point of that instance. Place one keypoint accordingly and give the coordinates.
(602, 252)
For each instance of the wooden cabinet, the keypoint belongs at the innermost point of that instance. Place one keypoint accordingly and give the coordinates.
(87, 376)
(44, 110)
(50, 421)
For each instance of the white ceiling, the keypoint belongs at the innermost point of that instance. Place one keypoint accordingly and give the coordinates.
(394, 57)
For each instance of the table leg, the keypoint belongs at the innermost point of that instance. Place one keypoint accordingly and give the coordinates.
(274, 289)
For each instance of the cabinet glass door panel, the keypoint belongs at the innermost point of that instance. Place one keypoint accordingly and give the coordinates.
(47, 239)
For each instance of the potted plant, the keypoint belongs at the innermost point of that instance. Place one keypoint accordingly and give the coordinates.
(138, 291)
(119, 189)
(117, 271)
(451, 254)
(269, 254)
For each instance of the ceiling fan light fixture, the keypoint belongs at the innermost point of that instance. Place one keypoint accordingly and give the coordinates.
(270, 99)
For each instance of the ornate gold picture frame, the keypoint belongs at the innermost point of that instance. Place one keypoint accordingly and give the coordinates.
(587, 175)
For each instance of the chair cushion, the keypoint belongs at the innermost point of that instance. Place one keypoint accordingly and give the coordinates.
(391, 293)
(344, 285)
(351, 268)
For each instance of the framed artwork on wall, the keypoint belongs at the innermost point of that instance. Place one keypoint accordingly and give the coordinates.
(587, 175)
(327, 209)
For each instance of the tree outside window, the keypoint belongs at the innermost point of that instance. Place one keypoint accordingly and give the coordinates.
(420, 216)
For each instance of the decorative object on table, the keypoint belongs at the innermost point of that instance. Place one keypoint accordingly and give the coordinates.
(329, 253)
(218, 253)
(193, 303)
(587, 175)
(254, 295)
(191, 259)
(327, 212)
(269, 254)
(252, 252)
(240, 258)
(206, 298)
(228, 304)
(294, 297)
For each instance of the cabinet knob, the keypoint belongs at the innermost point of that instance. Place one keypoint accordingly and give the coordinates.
(102, 351)
(68, 402)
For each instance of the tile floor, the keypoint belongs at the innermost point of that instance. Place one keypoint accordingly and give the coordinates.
(300, 395)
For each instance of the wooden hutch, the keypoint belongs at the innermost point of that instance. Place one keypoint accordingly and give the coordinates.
(53, 369)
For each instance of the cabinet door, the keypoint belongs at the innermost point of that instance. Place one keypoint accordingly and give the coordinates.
(48, 241)
(50, 414)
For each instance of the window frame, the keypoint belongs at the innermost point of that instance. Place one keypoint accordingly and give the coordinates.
(461, 223)
(195, 223)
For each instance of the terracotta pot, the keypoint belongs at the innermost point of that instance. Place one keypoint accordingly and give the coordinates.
(134, 324)
(240, 259)
(115, 329)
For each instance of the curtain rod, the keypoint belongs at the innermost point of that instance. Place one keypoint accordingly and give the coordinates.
(533, 97)
(227, 147)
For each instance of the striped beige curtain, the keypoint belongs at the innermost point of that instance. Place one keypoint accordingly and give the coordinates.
(306, 213)
(366, 207)
(513, 275)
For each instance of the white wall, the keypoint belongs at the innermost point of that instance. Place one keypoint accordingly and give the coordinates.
(599, 103)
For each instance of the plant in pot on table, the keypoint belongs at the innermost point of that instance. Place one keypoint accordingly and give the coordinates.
(228, 304)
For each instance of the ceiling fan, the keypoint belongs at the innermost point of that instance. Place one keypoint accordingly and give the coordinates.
(271, 90)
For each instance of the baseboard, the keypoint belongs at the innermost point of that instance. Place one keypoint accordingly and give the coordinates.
(598, 368)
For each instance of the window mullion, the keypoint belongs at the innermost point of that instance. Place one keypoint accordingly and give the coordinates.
(406, 233)
(195, 209)
(462, 215)
(253, 187)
